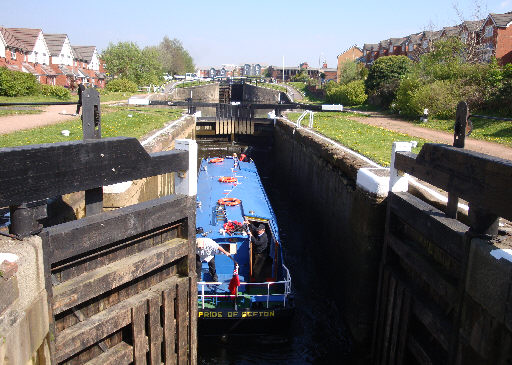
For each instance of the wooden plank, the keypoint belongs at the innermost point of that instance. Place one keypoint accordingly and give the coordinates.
(181, 321)
(62, 168)
(76, 237)
(155, 329)
(138, 313)
(447, 233)
(382, 316)
(120, 354)
(480, 179)
(169, 295)
(427, 271)
(404, 327)
(93, 329)
(418, 352)
(437, 324)
(93, 283)
(397, 318)
(192, 320)
(389, 318)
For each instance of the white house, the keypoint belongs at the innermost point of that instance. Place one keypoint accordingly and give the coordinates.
(89, 56)
(33, 42)
(3, 46)
(61, 52)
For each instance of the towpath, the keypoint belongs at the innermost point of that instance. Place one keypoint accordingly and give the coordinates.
(52, 114)
(397, 125)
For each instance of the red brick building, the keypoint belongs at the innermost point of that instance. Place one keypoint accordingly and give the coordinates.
(496, 37)
(491, 37)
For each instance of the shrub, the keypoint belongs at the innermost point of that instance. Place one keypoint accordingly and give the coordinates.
(350, 71)
(440, 98)
(349, 94)
(124, 85)
(57, 91)
(301, 77)
(405, 96)
(16, 83)
(386, 69)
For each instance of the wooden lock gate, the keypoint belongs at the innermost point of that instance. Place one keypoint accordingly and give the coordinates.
(119, 283)
(421, 291)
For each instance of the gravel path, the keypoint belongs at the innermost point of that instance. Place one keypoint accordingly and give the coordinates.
(52, 114)
(397, 125)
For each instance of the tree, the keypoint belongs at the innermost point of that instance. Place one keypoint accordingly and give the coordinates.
(351, 71)
(174, 58)
(386, 69)
(127, 61)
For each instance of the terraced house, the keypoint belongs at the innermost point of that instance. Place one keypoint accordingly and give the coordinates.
(50, 57)
(487, 38)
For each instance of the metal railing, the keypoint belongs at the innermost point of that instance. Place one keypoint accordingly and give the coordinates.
(287, 290)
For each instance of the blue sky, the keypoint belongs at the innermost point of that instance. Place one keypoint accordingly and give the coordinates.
(224, 32)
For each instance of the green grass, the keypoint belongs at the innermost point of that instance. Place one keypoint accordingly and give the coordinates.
(272, 86)
(308, 97)
(115, 122)
(34, 99)
(483, 129)
(372, 142)
(115, 96)
(6, 112)
(105, 97)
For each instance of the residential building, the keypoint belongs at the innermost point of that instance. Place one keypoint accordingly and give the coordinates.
(496, 37)
(49, 57)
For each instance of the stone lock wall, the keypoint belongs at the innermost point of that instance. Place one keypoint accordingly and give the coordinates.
(348, 221)
(24, 321)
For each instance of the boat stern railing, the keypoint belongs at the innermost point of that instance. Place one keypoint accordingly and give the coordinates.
(286, 293)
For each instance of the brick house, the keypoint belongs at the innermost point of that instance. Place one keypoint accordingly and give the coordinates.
(496, 38)
(370, 52)
(448, 32)
(61, 54)
(396, 46)
(88, 63)
(35, 55)
(352, 54)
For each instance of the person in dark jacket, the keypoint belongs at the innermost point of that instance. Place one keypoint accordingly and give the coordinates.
(81, 88)
(259, 242)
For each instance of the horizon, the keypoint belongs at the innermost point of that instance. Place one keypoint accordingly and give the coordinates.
(218, 35)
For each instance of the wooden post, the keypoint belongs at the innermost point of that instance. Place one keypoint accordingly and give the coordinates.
(91, 128)
(459, 137)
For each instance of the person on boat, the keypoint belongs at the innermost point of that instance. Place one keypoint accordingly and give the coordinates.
(259, 242)
(206, 251)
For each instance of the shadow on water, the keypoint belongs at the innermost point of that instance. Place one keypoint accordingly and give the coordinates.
(317, 334)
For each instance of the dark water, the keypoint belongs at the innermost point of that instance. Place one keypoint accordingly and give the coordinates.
(317, 334)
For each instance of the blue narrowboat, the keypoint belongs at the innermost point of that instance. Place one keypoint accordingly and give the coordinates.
(229, 193)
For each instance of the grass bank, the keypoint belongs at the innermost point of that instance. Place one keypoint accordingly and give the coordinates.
(115, 122)
(372, 142)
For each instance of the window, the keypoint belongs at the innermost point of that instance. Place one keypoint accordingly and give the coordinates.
(411, 47)
(425, 43)
(13, 55)
(464, 37)
(364, 52)
(488, 31)
(390, 50)
(403, 47)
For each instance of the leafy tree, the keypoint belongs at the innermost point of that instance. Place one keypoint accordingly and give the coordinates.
(174, 58)
(301, 77)
(386, 69)
(351, 71)
(126, 60)
(347, 94)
